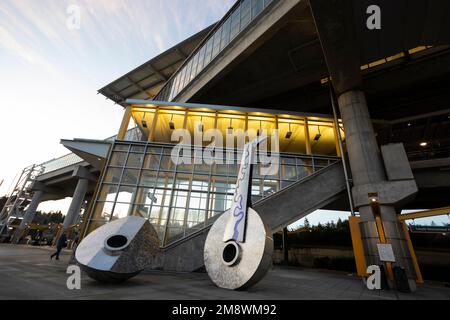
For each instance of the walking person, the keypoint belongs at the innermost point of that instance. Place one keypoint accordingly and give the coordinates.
(59, 246)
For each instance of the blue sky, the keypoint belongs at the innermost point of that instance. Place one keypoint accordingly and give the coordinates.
(50, 74)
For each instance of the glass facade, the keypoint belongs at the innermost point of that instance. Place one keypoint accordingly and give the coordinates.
(178, 199)
(237, 19)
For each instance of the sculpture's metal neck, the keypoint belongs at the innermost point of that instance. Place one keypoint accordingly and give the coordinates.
(235, 229)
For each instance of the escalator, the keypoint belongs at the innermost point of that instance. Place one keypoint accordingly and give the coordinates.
(278, 210)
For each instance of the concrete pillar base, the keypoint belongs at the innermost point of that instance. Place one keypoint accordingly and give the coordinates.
(369, 176)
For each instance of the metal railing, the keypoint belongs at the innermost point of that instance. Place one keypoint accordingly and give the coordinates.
(62, 162)
(72, 159)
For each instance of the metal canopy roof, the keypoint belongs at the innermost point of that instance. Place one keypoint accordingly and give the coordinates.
(146, 80)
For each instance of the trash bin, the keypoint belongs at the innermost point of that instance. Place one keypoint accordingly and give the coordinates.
(401, 279)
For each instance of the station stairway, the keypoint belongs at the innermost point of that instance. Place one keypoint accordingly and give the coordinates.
(278, 210)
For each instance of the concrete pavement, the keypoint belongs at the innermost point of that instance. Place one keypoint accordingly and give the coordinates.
(27, 273)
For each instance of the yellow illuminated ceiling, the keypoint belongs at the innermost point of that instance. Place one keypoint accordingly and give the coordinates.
(157, 123)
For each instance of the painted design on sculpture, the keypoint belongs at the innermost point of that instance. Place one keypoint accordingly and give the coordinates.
(238, 212)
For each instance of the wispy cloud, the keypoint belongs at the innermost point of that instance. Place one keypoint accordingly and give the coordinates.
(49, 72)
(118, 30)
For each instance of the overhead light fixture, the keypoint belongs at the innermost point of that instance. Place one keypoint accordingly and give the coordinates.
(289, 133)
(171, 123)
(230, 128)
(424, 144)
(144, 123)
(409, 124)
(318, 136)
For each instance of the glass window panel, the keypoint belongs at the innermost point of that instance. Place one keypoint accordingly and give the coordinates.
(148, 178)
(158, 217)
(285, 184)
(209, 47)
(202, 168)
(194, 67)
(216, 46)
(188, 74)
(141, 210)
(135, 160)
(201, 59)
(220, 169)
(121, 147)
(185, 168)
(130, 176)
(118, 159)
(179, 199)
(136, 148)
(154, 150)
(182, 78)
(165, 180)
(267, 2)
(235, 23)
(121, 210)
(172, 89)
(233, 170)
(183, 181)
(257, 6)
(103, 211)
(256, 187)
(146, 196)
(288, 161)
(108, 193)
(270, 187)
(152, 161)
(200, 183)
(113, 175)
(245, 13)
(167, 163)
(196, 218)
(176, 84)
(126, 194)
(303, 172)
(198, 201)
(288, 173)
(225, 39)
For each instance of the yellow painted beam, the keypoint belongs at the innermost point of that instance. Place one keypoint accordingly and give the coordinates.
(358, 249)
(124, 125)
(419, 278)
(382, 238)
(425, 214)
(307, 138)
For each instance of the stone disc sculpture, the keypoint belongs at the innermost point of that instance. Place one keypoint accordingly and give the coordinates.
(239, 246)
(237, 266)
(119, 250)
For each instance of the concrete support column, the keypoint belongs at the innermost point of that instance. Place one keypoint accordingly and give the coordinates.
(76, 204)
(29, 215)
(368, 172)
(285, 246)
